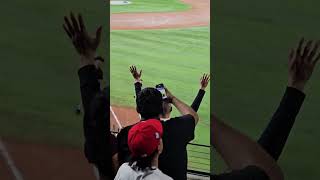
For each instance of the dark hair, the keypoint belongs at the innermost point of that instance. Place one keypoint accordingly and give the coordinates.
(149, 103)
(142, 162)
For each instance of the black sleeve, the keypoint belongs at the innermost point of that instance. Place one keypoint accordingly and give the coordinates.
(248, 173)
(96, 132)
(275, 135)
(137, 88)
(100, 74)
(197, 101)
(89, 86)
(183, 126)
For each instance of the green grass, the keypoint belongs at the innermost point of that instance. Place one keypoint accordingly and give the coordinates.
(176, 58)
(38, 74)
(252, 41)
(150, 6)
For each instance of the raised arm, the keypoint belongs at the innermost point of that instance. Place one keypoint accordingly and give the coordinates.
(240, 152)
(301, 65)
(95, 102)
(137, 79)
(182, 107)
(204, 81)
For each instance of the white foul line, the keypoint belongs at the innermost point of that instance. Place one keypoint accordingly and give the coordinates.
(95, 170)
(115, 117)
(10, 163)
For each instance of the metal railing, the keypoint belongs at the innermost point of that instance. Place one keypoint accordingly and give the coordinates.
(198, 159)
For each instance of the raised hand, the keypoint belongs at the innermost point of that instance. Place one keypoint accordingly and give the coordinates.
(204, 81)
(170, 96)
(85, 44)
(136, 75)
(302, 62)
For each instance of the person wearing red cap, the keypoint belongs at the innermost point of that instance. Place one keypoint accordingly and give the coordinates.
(145, 145)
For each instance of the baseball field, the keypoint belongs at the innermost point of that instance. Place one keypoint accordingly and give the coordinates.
(252, 40)
(170, 49)
(40, 134)
(40, 89)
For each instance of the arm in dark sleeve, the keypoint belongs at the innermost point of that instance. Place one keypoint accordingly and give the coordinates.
(248, 173)
(99, 144)
(89, 86)
(137, 88)
(276, 134)
(197, 101)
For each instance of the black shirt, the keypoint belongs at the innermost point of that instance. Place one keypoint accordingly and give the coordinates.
(177, 133)
(100, 144)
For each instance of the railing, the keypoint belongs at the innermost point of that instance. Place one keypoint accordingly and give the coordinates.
(198, 159)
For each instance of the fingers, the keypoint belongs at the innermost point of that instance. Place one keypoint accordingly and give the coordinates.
(316, 60)
(205, 79)
(291, 58)
(306, 50)
(67, 31)
(208, 77)
(69, 27)
(299, 47)
(74, 22)
(313, 52)
(140, 72)
(131, 69)
(98, 35)
(82, 26)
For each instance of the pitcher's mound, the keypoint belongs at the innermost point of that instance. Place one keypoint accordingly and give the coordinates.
(120, 2)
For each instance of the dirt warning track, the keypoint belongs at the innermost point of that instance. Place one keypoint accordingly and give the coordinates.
(197, 15)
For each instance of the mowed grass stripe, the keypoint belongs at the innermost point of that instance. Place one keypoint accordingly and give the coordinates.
(151, 6)
(162, 61)
(171, 39)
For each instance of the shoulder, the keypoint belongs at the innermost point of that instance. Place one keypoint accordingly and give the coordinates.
(183, 118)
(124, 171)
(124, 166)
(158, 174)
(181, 121)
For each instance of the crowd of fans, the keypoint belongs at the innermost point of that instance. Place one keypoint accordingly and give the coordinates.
(155, 147)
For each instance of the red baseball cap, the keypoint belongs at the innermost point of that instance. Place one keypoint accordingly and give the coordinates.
(144, 137)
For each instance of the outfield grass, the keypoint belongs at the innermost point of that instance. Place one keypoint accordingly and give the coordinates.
(150, 6)
(176, 58)
(39, 84)
(252, 41)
